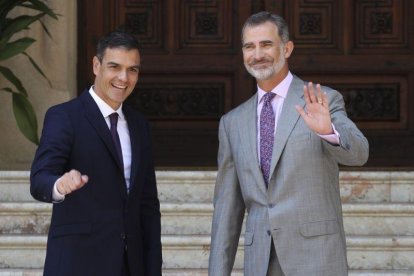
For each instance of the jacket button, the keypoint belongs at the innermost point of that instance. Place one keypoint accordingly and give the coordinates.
(268, 232)
(123, 236)
(271, 205)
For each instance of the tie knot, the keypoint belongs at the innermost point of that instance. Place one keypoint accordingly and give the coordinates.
(113, 118)
(268, 97)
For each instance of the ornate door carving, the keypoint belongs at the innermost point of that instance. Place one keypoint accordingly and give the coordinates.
(192, 70)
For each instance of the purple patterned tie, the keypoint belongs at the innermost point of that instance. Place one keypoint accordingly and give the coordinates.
(267, 127)
(113, 118)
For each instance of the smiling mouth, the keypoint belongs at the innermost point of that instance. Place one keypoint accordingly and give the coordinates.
(260, 65)
(119, 86)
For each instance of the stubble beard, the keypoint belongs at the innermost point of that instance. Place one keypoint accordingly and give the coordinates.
(268, 72)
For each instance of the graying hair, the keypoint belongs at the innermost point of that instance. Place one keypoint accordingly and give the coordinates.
(263, 17)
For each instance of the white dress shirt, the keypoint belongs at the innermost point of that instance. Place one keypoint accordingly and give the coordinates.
(124, 138)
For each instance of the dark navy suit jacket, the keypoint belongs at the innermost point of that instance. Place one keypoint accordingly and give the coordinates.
(91, 227)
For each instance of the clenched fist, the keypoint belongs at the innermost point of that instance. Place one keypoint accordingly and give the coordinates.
(71, 181)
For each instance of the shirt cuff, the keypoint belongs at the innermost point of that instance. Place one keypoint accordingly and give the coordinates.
(56, 196)
(333, 139)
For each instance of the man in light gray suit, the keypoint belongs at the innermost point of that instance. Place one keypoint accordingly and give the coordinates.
(278, 158)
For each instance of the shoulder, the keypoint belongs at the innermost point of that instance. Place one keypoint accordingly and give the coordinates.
(133, 114)
(333, 95)
(135, 118)
(330, 92)
(70, 107)
(242, 110)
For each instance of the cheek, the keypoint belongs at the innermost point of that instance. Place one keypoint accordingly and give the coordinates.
(247, 58)
(133, 78)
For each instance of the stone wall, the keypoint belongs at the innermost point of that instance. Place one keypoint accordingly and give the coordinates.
(57, 58)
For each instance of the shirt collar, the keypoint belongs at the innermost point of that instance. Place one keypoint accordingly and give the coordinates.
(105, 109)
(281, 89)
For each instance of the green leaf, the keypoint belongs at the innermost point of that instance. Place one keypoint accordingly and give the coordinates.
(16, 47)
(40, 6)
(11, 77)
(20, 23)
(6, 6)
(37, 67)
(25, 117)
(16, 25)
(7, 89)
(45, 29)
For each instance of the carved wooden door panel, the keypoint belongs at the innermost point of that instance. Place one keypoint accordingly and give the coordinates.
(364, 49)
(192, 70)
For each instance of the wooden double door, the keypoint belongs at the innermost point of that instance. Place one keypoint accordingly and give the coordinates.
(192, 69)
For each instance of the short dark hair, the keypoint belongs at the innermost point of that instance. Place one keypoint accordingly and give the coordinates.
(263, 17)
(116, 39)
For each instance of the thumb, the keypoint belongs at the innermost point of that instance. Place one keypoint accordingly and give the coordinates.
(84, 178)
(300, 110)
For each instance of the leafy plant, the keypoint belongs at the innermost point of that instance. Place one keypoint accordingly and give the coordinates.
(22, 108)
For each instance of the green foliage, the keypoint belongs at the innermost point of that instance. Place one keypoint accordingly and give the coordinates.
(22, 108)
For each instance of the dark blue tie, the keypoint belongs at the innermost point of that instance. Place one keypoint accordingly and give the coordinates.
(113, 118)
(267, 128)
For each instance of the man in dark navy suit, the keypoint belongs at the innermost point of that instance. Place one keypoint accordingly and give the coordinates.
(94, 163)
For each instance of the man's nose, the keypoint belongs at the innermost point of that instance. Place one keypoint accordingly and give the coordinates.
(258, 53)
(123, 75)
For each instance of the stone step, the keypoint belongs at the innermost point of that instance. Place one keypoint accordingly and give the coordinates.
(195, 218)
(359, 219)
(198, 186)
(191, 252)
(28, 218)
(203, 272)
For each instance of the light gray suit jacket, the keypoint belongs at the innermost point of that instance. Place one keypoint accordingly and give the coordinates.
(301, 210)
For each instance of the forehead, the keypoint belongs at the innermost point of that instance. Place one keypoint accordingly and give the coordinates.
(264, 31)
(122, 56)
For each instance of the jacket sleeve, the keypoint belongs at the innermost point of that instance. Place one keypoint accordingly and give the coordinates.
(52, 155)
(353, 149)
(151, 216)
(229, 209)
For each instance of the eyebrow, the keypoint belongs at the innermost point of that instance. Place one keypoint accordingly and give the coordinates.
(260, 42)
(138, 66)
(247, 43)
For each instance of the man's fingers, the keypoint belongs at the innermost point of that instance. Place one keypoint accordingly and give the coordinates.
(312, 95)
(85, 179)
(71, 181)
(306, 95)
(320, 94)
(301, 111)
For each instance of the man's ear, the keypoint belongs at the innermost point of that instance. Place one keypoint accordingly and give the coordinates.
(96, 65)
(289, 48)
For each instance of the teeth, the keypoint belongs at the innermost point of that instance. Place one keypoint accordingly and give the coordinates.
(119, 86)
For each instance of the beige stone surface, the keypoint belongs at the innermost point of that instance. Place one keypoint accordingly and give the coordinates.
(57, 58)
(378, 216)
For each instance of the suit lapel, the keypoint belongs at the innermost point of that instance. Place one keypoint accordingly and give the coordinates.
(288, 118)
(248, 134)
(94, 116)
